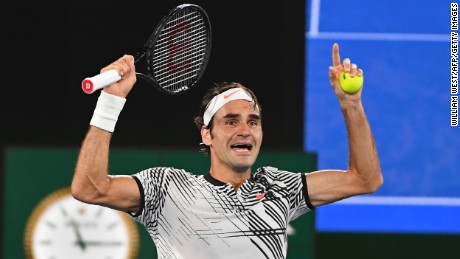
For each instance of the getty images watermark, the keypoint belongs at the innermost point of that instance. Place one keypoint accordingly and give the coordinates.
(454, 64)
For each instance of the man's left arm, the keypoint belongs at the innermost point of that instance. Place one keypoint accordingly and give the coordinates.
(363, 174)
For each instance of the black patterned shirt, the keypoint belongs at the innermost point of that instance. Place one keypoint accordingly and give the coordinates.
(197, 216)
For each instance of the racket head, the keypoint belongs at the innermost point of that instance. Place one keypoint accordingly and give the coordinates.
(177, 52)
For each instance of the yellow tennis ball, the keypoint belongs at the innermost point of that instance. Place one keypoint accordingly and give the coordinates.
(350, 85)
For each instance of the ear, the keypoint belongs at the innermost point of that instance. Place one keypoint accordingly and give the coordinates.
(206, 135)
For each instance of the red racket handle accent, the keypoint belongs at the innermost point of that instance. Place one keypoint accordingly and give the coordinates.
(92, 84)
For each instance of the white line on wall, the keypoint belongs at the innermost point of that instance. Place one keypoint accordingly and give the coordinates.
(314, 17)
(401, 200)
(377, 36)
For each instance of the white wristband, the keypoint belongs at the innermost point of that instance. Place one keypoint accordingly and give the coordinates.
(108, 108)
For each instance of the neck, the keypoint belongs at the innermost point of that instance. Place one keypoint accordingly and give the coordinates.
(227, 175)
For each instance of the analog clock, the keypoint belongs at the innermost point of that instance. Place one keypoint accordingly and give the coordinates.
(61, 227)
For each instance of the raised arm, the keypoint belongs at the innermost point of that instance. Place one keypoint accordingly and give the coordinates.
(363, 174)
(91, 182)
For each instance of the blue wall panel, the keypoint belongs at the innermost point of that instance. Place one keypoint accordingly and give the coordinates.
(404, 49)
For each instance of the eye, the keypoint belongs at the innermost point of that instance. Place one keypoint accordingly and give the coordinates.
(253, 123)
(231, 122)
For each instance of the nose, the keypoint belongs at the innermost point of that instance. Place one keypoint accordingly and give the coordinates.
(244, 130)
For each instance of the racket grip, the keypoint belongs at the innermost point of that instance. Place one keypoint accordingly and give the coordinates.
(92, 84)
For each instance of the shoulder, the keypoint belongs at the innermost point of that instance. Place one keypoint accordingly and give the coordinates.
(274, 173)
(271, 175)
(162, 172)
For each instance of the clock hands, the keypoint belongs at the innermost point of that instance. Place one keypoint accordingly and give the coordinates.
(84, 244)
(103, 243)
(79, 241)
(60, 227)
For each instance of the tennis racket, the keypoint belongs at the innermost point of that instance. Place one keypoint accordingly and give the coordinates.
(175, 55)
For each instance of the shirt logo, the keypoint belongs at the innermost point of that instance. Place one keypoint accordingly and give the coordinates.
(259, 196)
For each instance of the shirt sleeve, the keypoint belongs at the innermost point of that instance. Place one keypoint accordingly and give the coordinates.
(305, 191)
(299, 201)
(153, 184)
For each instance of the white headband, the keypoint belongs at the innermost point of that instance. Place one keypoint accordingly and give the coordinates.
(221, 99)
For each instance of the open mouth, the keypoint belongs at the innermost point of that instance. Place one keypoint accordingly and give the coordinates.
(241, 147)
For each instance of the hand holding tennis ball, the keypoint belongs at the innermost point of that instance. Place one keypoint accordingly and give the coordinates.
(340, 74)
(350, 85)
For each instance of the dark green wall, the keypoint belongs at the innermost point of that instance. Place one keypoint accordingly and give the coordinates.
(31, 174)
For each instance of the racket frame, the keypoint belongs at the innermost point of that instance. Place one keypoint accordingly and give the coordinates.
(147, 49)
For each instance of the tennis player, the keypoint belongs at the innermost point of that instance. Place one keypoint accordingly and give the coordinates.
(231, 211)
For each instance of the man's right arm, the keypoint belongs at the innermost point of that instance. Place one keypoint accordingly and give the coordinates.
(91, 182)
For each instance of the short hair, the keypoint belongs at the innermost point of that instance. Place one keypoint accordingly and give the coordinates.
(212, 92)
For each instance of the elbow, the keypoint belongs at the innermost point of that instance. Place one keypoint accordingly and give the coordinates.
(86, 192)
(78, 192)
(374, 183)
(366, 182)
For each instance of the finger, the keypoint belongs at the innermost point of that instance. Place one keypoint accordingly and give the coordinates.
(124, 65)
(354, 70)
(335, 55)
(333, 74)
(116, 65)
(360, 72)
(331, 71)
(347, 65)
(129, 58)
(130, 61)
(334, 71)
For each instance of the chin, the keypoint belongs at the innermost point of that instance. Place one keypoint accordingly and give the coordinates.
(243, 167)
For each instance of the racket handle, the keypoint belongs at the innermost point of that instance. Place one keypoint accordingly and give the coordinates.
(92, 84)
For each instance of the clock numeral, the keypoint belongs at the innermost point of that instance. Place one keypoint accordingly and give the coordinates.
(64, 212)
(50, 224)
(81, 210)
(99, 212)
(46, 242)
(112, 225)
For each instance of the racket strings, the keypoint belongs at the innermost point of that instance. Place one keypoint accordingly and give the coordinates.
(192, 36)
(161, 55)
(197, 23)
(179, 53)
(162, 69)
(170, 81)
(186, 33)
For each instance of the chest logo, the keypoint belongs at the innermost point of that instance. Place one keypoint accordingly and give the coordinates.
(259, 195)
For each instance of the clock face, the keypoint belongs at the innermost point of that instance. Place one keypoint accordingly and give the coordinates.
(64, 228)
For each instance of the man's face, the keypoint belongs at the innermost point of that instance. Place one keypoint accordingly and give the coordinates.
(236, 136)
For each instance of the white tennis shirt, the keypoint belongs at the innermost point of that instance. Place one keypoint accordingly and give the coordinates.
(196, 216)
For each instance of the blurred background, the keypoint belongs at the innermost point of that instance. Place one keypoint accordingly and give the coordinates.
(281, 51)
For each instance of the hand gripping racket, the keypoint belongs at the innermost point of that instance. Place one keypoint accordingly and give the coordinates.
(176, 53)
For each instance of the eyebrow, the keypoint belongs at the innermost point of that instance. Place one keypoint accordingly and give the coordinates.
(235, 115)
